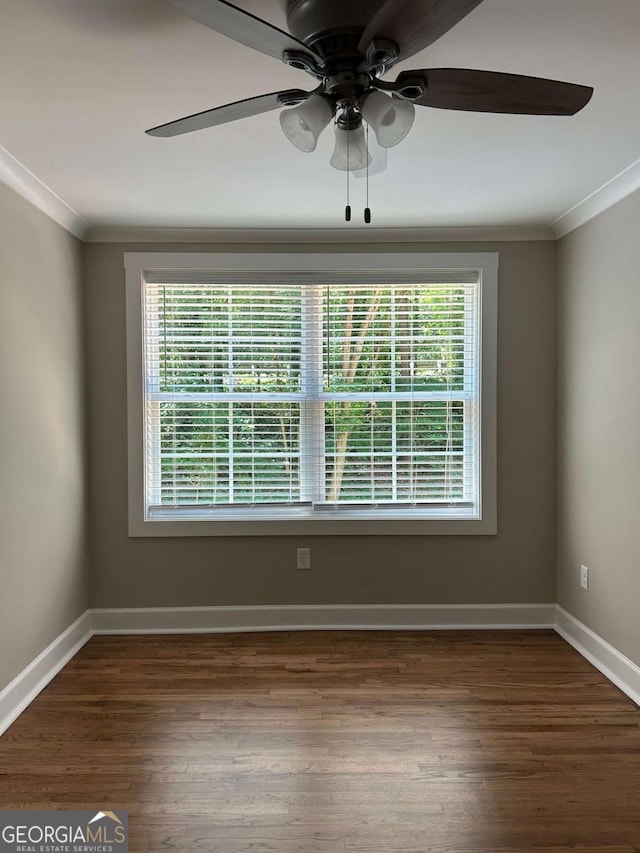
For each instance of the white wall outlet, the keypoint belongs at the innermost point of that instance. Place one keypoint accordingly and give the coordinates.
(303, 558)
(584, 577)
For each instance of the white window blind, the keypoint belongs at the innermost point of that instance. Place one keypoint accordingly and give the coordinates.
(288, 398)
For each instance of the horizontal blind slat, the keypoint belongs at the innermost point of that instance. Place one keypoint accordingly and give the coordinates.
(339, 388)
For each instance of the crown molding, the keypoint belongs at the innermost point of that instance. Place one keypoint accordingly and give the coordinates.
(228, 236)
(619, 187)
(15, 175)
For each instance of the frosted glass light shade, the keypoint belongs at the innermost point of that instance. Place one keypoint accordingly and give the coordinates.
(303, 125)
(351, 151)
(390, 118)
(379, 157)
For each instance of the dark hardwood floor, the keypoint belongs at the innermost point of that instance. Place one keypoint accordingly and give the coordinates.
(331, 742)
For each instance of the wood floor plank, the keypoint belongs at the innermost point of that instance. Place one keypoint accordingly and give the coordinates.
(336, 742)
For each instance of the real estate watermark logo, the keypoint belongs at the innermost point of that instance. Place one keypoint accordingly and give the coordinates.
(64, 832)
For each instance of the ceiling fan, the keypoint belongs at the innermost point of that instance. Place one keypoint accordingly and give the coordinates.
(348, 46)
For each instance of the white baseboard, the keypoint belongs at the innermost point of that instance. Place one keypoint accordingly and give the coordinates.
(620, 670)
(347, 617)
(17, 695)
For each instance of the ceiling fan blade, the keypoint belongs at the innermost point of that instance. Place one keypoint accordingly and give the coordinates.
(415, 24)
(242, 27)
(494, 92)
(230, 112)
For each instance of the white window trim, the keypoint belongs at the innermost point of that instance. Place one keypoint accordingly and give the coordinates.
(380, 522)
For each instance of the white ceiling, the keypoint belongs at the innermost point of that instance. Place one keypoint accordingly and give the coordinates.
(80, 80)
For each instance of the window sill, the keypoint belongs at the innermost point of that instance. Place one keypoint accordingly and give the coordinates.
(305, 522)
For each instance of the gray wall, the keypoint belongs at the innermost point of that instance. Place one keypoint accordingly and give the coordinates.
(599, 424)
(43, 569)
(517, 565)
(43, 549)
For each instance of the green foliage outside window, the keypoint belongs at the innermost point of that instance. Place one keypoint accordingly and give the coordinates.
(243, 342)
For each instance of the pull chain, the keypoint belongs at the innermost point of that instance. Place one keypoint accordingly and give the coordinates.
(347, 210)
(367, 210)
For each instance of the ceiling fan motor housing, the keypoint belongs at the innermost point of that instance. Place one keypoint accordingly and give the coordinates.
(330, 27)
(333, 29)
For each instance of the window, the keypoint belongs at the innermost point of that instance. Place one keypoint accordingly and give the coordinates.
(313, 395)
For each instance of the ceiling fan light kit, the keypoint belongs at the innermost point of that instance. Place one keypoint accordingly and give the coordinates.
(303, 125)
(390, 117)
(348, 46)
(350, 152)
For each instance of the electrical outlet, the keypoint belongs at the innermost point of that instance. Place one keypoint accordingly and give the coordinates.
(303, 558)
(584, 577)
